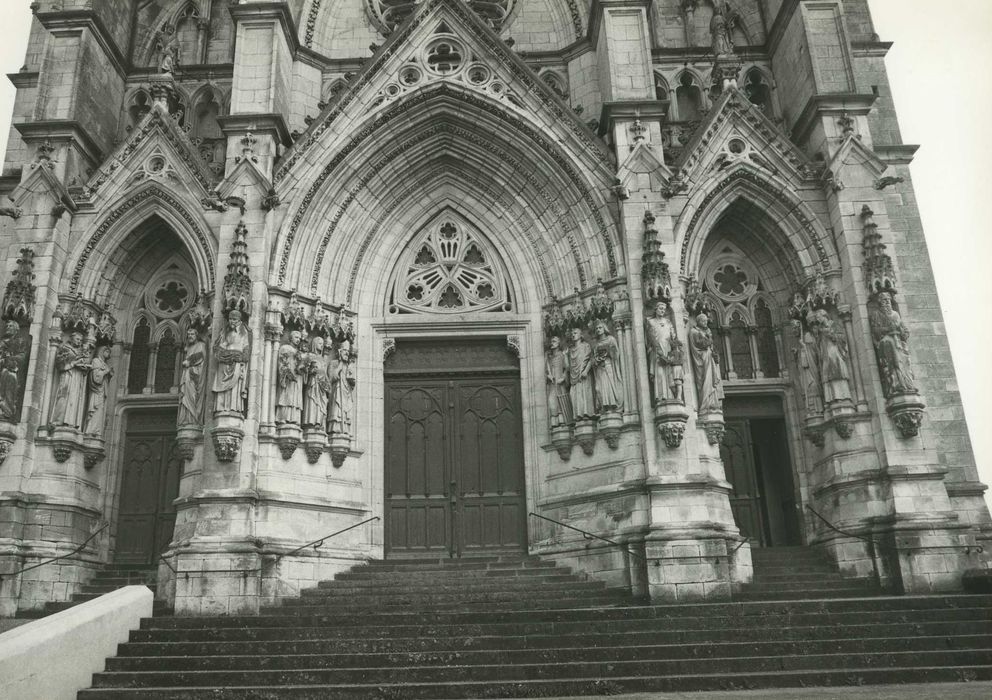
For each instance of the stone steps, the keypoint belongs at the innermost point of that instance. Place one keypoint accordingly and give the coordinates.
(453, 630)
(290, 659)
(798, 573)
(104, 581)
(172, 645)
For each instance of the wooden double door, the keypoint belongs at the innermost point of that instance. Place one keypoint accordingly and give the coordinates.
(454, 472)
(150, 483)
(755, 455)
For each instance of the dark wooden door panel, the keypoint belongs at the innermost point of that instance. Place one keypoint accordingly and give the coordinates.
(150, 483)
(454, 465)
(738, 461)
(488, 464)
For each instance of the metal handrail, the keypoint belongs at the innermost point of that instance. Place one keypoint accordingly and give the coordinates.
(316, 544)
(591, 536)
(161, 558)
(870, 540)
(77, 550)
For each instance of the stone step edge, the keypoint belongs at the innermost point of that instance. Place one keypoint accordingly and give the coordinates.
(943, 638)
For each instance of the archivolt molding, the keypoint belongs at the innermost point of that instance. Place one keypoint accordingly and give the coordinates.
(418, 100)
(523, 77)
(154, 199)
(761, 190)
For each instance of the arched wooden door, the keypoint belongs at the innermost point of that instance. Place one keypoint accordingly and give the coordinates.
(454, 450)
(150, 483)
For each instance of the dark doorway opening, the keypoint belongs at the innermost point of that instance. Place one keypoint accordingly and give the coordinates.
(149, 486)
(454, 450)
(755, 453)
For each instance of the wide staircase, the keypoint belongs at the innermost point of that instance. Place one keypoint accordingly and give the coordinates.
(523, 627)
(105, 581)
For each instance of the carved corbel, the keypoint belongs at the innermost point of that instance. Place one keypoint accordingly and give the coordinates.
(227, 443)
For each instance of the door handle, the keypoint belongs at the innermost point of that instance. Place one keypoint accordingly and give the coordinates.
(452, 490)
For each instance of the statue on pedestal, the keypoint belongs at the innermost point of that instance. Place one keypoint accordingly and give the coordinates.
(99, 378)
(72, 363)
(891, 338)
(289, 383)
(342, 391)
(664, 357)
(709, 390)
(556, 376)
(833, 360)
(317, 385)
(232, 351)
(13, 354)
(606, 371)
(580, 379)
(191, 380)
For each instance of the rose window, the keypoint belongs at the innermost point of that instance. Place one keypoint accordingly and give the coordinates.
(450, 270)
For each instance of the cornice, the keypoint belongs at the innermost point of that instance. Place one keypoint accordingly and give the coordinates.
(24, 79)
(61, 129)
(236, 124)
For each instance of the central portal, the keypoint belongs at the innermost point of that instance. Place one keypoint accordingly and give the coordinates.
(454, 453)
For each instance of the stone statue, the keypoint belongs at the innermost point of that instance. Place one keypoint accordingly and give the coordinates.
(191, 380)
(170, 57)
(96, 390)
(606, 371)
(891, 337)
(665, 355)
(342, 391)
(317, 385)
(13, 353)
(580, 376)
(289, 383)
(232, 351)
(808, 359)
(833, 361)
(72, 364)
(721, 27)
(556, 375)
(709, 390)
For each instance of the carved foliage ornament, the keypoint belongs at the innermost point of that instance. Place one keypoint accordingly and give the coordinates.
(389, 14)
(237, 282)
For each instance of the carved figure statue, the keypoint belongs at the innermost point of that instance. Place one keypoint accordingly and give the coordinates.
(665, 355)
(833, 360)
(191, 380)
(721, 27)
(317, 385)
(342, 391)
(289, 383)
(580, 376)
(891, 338)
(808, 359)
(606, 371)
(13, 353)
(72, 364)
(556, 375)
(232, 351)
(709, 390)
(96, 390)
(170, 57)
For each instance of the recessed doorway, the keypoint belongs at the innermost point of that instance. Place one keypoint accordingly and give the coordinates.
(755, 452)
(454, 466)
(150, 484)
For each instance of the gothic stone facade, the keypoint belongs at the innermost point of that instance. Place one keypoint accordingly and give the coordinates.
(652, 269)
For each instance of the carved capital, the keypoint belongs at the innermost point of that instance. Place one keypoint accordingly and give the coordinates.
(388, 348)
(513, 343)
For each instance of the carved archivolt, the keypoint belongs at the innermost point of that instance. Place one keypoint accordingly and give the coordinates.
(173, 205)
(526, 79)
(402, 108)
